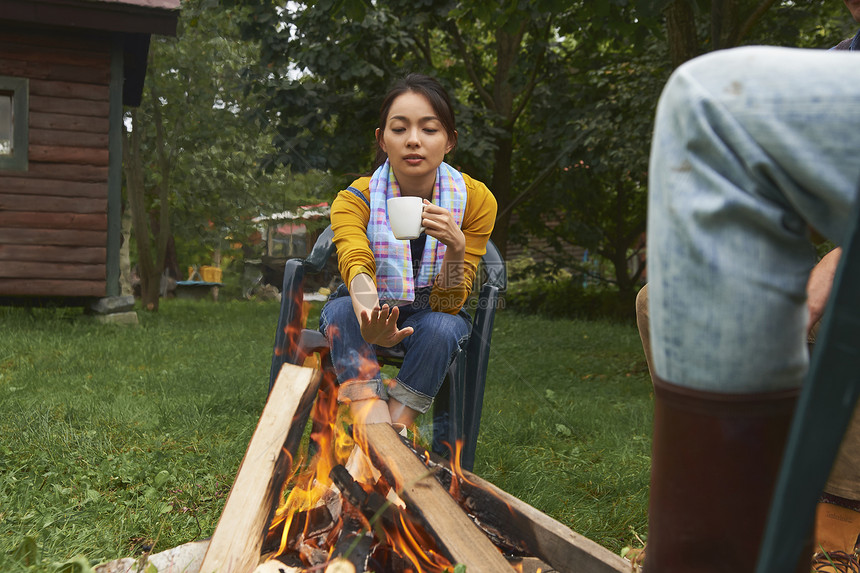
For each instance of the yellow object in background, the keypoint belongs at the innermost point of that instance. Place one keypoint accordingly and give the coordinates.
(210, 274)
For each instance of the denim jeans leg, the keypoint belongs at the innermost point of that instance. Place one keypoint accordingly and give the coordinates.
(751, 146)
(354, 360)
(437, 338)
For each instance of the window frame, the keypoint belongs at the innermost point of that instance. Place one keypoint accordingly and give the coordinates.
(20, 88)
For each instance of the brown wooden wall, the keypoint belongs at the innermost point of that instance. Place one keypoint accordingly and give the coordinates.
(53, 217)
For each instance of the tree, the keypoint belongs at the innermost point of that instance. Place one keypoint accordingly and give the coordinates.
(554, 99)
(694, 27)
(328, 64)
(598, 200)
(195, 150)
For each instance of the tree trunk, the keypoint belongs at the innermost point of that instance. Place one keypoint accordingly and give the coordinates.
(725, 24)
(507, 46)
(681, 32)
(150, 273)
(164, 232)
(502, 189)
(124, 258)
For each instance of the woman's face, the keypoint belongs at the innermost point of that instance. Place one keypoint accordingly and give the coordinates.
(415, 141)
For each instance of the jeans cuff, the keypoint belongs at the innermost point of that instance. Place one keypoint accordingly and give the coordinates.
(355, 390)
(409, 397)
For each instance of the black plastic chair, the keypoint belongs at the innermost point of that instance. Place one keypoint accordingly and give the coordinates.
(457, 408)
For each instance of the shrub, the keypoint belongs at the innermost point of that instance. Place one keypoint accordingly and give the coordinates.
(567, 298)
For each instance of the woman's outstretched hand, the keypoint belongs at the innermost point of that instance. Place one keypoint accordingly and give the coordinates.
(379, 326)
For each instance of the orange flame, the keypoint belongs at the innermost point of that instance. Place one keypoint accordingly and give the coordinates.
(411, 544)
(311, 480)
(456, 468)
(333, 445)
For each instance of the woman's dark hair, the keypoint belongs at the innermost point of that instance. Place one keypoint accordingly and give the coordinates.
(434, 92)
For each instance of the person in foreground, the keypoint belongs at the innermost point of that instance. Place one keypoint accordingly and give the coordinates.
(837, 523)
(752, 147)
(407, 294)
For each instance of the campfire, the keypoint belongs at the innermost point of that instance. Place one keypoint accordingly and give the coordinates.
(366, 499)
(327, 517)
(397, 508)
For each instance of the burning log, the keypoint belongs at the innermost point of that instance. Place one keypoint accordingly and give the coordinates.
(239, 536)
(456, 534)
(354, 544)
(371, 505)
(512, 521)
(383, 521)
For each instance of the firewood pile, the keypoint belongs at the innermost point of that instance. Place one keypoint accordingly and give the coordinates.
(396, 509)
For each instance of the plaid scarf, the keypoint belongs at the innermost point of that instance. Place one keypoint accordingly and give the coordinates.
(394, 280)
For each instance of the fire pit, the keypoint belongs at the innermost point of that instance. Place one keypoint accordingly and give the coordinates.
(398, 509)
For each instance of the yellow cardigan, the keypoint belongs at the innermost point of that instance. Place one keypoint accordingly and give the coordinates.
(349, 219)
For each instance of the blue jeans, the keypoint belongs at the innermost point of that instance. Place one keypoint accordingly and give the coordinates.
(429, 351)
(751, 147)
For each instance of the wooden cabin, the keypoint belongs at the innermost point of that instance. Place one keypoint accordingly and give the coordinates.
(67, 68)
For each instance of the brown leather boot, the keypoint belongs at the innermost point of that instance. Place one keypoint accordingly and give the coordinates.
(837, 539)
(714, 463)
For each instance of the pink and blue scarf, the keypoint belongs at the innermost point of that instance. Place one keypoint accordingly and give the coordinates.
(394, 280)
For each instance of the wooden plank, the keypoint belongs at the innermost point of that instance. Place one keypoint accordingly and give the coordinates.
(18, 287)
(50, 71)
(69, 106)
(73, 90)
(241, 530)
(62, 237)
(64, 171)
(52, 254)
(539, 534)
(457, 535)
(55, 38)
(58, 137)
(34, 220)
(47, 204)
(77, 155)
(68, 122)
(54, 187)
(98, 56)
(45, 270)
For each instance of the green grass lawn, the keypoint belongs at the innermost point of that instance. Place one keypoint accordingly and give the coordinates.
(113, 437)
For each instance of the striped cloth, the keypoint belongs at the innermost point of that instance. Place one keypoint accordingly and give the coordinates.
(394, 280)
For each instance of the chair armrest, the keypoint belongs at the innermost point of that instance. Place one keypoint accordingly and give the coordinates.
(495, 268)
(289, 318)
(322, 251)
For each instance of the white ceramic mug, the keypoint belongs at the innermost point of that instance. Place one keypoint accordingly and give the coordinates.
(404, 217)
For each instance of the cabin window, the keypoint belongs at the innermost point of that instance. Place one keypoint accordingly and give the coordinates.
(14, 132)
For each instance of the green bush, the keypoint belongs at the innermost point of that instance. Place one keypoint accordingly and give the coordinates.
(567, 298)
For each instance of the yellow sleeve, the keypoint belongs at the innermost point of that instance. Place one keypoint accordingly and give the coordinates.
(478, 221)
(349, 217)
